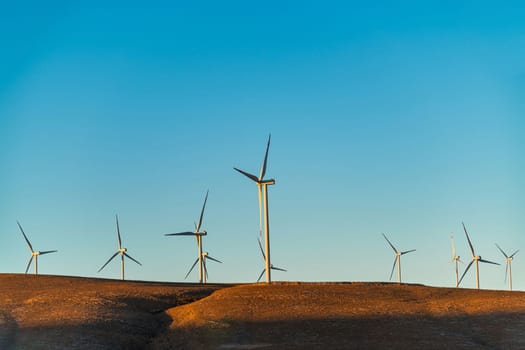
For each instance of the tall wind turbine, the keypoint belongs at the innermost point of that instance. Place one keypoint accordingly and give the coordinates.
(508, 268)
(198, 236)
(271, 265)
(475, 258)
(397, 259)
(34, 253)
(262, 187)
(455, 258)
(122, 251)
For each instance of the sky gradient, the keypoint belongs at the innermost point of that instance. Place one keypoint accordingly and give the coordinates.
(403, 118)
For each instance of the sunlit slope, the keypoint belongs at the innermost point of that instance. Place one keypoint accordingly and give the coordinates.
(353, 315)
(56, 312)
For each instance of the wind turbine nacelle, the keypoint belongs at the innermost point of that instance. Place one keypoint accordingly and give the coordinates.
(122, 250)
(203, 233)
(35, 253)
(478, 257)
(268, 182)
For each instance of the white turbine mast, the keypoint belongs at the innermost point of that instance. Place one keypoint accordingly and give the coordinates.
(198, 236)
(34, 253)
(475, 258)
(122, 251)
(455, 258)
(508, 267)
(262, 187)
(397, 259)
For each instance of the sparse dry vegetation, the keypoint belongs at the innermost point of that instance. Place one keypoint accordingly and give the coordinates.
(55, 312)
(348, 316)
(52, 312)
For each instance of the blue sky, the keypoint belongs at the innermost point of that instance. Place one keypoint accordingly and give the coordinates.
(403, 118)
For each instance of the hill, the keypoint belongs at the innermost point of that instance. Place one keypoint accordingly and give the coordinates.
(348, 316)
(57, 312)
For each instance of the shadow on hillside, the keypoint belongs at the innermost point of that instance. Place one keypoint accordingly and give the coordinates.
(8, 330)
(114, 334)
(125, 322)
(488, 331)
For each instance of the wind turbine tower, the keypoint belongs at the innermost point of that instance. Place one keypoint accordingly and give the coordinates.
(455, 259)
(475, 258)
(198, 236)
(122, 251)
(34, 253)
(262, 187)
(397, 259)
(508, 267)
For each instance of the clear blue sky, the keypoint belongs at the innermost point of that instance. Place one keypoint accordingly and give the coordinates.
(404, 118)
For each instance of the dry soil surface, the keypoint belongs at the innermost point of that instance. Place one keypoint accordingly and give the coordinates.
(348, 316)
(56, 312)
(52, 312)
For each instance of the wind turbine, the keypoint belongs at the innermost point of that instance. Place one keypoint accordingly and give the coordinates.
(205, 256)
(271, 265)
(455, 258)
(475, 258)
(121, 251)
(198, 236)
(508, 268)
(397, 259)
(34, 253)
(262, 187)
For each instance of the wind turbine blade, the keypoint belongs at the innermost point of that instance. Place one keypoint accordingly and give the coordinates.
(205, 268)
(408, 251)
(48, 251)
(468, 239)
(395, 250)
(191, 268)
(262, 250)
(516, 252)
(29, 263)
(461, 261)
(501, 250)
(453, 246)
(118, 233)
(202, 212)
(180, 234)
(488, 262)
(393, 267)
(262, 272)
(129, 257)
(278, 268)
(211, 258)
(107, 262)
(463, 275)
(248, 175)
(27, 240)
(263, 167)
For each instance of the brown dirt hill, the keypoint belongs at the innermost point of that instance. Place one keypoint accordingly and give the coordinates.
(348, 316)
(57, 312)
